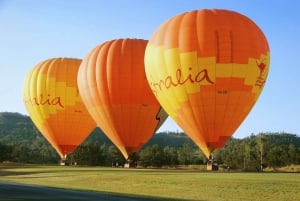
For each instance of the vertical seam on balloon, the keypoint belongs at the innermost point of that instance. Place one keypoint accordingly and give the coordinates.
(94, 66)
(49, 69)
(105, 71)
(124, 44)
(199, 134)
(98, 79)
(203, 114)
(165, 69)
(184, 86)
(65, 65)
(132, 49)
(49, 138)
(141, 48)
(76, 121)
(215, 84)
(234, 107)
(224, 126)
(78, 100)
(35, 78)
(110, 45)
(45, 66)
(248, 33)
(58, 63)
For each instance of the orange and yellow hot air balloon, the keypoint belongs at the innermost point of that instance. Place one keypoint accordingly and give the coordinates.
(207, 68)
(52, 99)
(113, 85)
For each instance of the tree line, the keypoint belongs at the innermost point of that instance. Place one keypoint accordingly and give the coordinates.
(21, 142)
(252, 153)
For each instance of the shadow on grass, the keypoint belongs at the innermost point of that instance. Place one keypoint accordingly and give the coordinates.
(15, 191)
(24, 192)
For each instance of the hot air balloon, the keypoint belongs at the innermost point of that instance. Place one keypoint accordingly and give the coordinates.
(113, 85)
(52, 99)
(207, 69)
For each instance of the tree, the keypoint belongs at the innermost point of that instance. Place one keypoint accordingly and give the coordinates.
(170, 156)
(91, 153)
(247, 154)
(152, 156)
(293, 155)
(115, 156)
(5, 152)
(145, 157)
(186, 154)
(272, 157)
(260, 143)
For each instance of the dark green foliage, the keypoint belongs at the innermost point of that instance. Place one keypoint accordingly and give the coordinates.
(186, 153)
(90, 153)
(163, 139)
(171, 156)
(152, 156)
(20, 141)
(264, 149)
(114, 156)
(26, 144)
(5, 152)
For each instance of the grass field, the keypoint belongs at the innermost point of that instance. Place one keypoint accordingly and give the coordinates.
(161, 184)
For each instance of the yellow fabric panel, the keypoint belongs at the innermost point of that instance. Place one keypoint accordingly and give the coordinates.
(207, 69)
(239, 70)
(52, 100)
(223, 70)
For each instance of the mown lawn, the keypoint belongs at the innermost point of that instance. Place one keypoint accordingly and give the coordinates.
(161, 184)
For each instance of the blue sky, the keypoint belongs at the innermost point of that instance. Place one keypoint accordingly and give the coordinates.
(34, 30)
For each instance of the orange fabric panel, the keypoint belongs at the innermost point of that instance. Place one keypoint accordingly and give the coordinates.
(113, 85)
(231, 35)
(52, 100)
(207, 68)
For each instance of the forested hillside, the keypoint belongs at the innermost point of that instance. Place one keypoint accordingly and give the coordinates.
(21, 142)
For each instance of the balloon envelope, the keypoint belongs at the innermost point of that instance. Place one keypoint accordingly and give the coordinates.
(207, 68)
(51, 97)
(114, 88)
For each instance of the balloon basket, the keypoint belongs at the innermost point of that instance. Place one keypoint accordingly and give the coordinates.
(212, 165)
(130, 164)
(62, 162)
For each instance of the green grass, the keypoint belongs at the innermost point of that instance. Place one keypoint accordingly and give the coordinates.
(161, 184)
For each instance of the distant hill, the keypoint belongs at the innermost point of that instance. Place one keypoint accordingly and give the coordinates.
(16, 128)
(19, 129)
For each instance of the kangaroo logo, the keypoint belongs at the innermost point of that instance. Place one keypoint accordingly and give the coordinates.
(260, 79)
